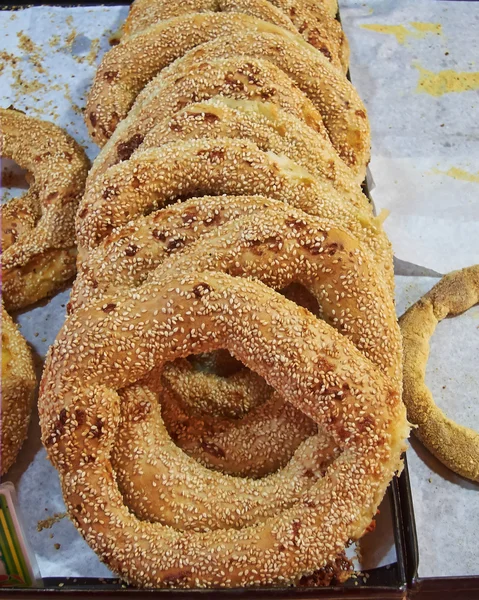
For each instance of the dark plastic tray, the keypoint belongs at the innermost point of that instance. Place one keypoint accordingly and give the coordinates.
(382, 583)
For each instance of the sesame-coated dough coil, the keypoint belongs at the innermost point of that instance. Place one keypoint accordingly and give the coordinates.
(277, 246)
(453, 444)
(158, 176)
(79, 415)
(18, 386)
(233, 78)
(128, 67)
(336, 99)
(118, 83)
(38, 234)
(265, 124)
(314, 22)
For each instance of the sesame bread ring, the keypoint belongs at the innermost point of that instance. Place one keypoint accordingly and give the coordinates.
(145, 13)
(234, 78)
(336, 99)
(270, 127)
(315, 24)
(80, 409)
(271, 241)
(127, 68)
(219, 225)
(277, 246)
(338, 102)
(453, 444)
(18, 387)
(38, 235)
(159, 176)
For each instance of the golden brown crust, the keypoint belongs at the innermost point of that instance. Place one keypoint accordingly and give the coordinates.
(278, 246)
(130, 253)
(18, 387)
(214, 392)
(145, 13)
(295, 352)
(343, 112)
(259, 443)
(127, 68)
(453, 444)
(38, 232)
(160, 483)
(156, 177)
(265, 124)
(318, 24)
(310, 19)
(256, 80)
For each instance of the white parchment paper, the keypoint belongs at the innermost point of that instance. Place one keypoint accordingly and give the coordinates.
(425, 143)
(48, 57)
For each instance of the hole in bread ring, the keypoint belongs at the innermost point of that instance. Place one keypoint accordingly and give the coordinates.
(197, 313)
(453, 444)
(278, 245)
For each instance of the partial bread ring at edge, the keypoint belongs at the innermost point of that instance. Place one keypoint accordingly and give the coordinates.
(453, 444)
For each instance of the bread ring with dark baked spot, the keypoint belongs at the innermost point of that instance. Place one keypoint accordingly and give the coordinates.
(158, 176)
(128, 67)
(453, 444)
(343, 112)
(164, 321)
(312, 20)
(18, 387)
(38, 234)
(278, 246)
(211, 232)
(265, 124)
(172, 91)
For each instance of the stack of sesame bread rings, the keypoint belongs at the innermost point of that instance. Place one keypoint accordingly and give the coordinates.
(223, 403)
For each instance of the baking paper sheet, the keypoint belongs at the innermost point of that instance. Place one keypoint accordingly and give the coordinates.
(49, 57)
(415, 64)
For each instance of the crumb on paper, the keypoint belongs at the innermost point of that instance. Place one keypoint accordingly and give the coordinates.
(92, 55)
(48, 523)
(57, 546)
(54, 41)
(69, 98)
(70, 39)
(34, 52)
